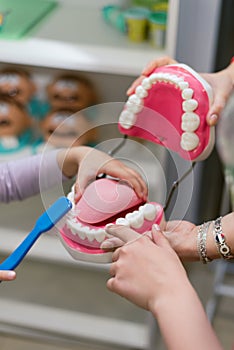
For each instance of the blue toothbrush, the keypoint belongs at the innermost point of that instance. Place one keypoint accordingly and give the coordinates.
(44, 223)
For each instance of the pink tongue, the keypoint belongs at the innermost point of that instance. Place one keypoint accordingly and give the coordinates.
(103, 199)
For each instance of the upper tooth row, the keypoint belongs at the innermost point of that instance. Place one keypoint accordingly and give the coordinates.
(135, 220)
(190, 120)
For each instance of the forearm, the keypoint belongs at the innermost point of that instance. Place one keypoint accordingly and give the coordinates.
(26, 177)
(69, 159)
(182, 320)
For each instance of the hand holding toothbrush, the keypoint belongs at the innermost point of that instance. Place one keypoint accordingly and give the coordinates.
(7, 275)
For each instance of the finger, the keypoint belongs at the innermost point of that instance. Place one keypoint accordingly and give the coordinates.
(112, 270)
(7, 275)
(110, 284)
(115, 257)
(138, 185)
(134, 85)
(111, 243)
(214, 112)
(133, 178)
(162, 61)
(122, 232)
(159, 238)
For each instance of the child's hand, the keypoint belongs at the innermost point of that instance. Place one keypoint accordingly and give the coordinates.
(7, 275)
(87, 163)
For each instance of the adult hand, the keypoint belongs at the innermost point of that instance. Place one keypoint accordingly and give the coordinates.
(144, 269)
(162, 61)
(7, 275)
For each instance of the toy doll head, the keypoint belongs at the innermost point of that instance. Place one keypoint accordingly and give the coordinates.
(71, 92)
(64, 128)
(17, 84)
(14, 120)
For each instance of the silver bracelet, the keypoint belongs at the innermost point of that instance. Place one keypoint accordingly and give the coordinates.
(201, 242)
(223, 249)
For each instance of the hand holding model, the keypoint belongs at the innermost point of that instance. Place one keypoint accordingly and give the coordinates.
(221, 82)
(87, 163)
(157, 282)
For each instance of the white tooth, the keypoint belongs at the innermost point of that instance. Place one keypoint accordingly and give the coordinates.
(174, 79)
(134, 108)
(134, 99)
(90, 234)
(74, 226)
(189, 105)
(178, 80)
(167, 77)
(189, 141)
(149, 211)
(127, 119)
(146, 83)
(122, 221)
(135, 219)
(187, 94)
(100, 235)
(153, 78)
(70, 196)
(183, 85)
(141, 92)
(138, 220)
(158, 208)
(82, 232)
(190, 121)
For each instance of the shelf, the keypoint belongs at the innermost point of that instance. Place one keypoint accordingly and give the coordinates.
(76, 37)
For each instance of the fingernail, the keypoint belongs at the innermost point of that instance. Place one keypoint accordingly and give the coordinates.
(157, 228)
(106, 245)
(11, 274)
(213, 118)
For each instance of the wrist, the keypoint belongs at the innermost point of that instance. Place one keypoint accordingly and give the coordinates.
(172, 298)
(68, 161)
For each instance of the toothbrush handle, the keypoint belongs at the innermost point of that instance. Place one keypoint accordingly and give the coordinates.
(19, 253)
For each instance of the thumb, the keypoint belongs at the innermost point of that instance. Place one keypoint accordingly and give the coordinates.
(215, 110)
(158, 237)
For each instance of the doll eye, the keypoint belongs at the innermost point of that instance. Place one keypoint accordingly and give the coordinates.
(74, 98)
(56, 96)
(50, 131)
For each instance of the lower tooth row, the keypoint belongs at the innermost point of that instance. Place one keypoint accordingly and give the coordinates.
(136, 219)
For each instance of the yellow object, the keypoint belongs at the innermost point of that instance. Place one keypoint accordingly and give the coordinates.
(136, 22)
(161, 6)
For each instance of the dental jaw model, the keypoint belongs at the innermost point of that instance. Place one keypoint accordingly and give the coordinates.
(168, 108)
(105, 201)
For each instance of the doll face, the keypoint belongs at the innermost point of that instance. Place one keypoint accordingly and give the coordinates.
(17, 86)
(13, 120)
(62, 129)
(70, 94)
(105, 201)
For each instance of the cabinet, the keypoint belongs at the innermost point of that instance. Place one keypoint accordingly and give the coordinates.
(55, 297)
